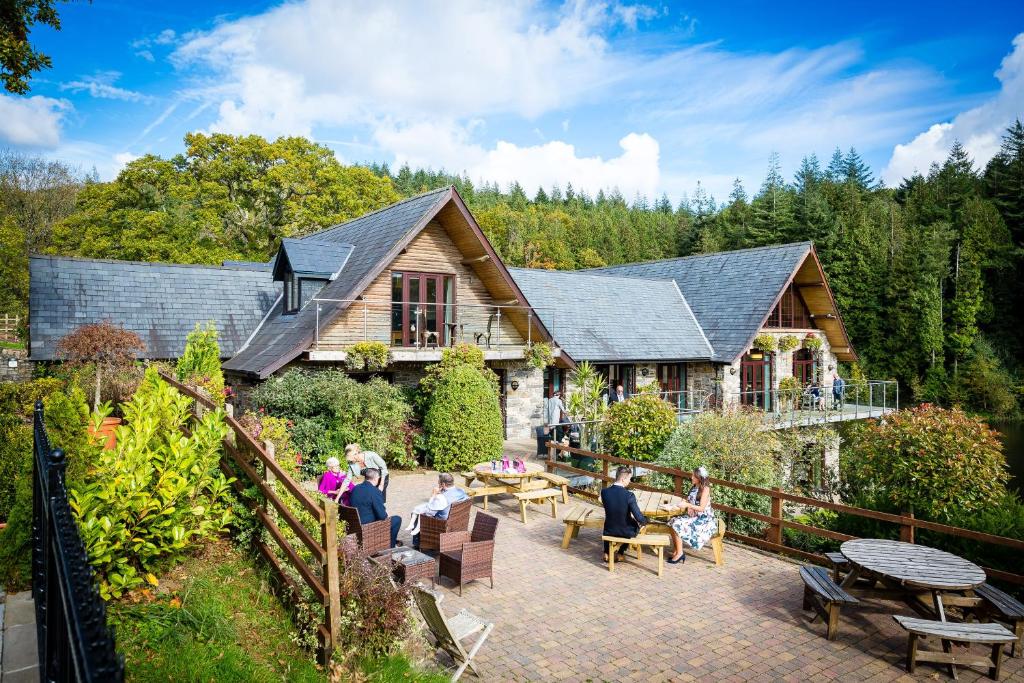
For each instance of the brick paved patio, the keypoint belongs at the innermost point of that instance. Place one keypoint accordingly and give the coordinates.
(560, 616)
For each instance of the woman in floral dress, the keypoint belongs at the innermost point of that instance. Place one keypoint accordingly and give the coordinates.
(697, 525)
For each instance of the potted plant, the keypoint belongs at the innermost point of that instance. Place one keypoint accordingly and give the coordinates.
(812, 343)
(789, 390)
(539, 355)
(788, 343)
(107, 348)
(764, 342)
(367, 356)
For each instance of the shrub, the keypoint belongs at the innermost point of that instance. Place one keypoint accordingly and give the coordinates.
(789, 391)
(637, 429)
(15, 459)
(463, 424)
(199, 364)
(460, 355)
(156, 494)
(103, 345)
(939, 463)
(539, 355)
(371, 627)
(369, 356)
(19, 398)
(375, 416)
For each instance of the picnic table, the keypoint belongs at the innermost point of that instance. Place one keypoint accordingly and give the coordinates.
(515, 481)
(650, 503)
(910, 571)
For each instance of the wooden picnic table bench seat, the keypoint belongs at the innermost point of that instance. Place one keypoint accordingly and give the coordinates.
(469, 477)
(948, 632)
(559, 481)
(485, 491)
(825, 596)
(839, 564)
(1000, 606)
(659, 526)
(579, 517)
(657, 542)
(539, 496)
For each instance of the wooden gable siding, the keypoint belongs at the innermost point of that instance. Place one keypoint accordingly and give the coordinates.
(432, 251)
(810, 283)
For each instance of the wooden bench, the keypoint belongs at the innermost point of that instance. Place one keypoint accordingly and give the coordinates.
(954, 632)
(825, 596)
(557, 480)
(468, 477)
(541, 496)
(485, 491)
(717, 541)
(658, 542)
(839, 564)
(999, 606)
(578, 518)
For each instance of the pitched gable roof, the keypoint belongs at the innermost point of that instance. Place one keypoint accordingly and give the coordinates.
(159, 302)
(731, 292)
(375, 238)
(311, 257)
(599, 317)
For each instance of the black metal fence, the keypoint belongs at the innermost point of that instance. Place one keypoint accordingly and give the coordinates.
(75, 643)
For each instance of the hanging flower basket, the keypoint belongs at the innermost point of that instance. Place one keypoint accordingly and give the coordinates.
(812, 342)
(764, 342)
(788, 343)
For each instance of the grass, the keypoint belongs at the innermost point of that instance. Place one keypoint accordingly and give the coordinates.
(11, 344)
(214, 619)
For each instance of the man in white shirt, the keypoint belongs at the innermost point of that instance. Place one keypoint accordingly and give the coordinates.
(553, 411)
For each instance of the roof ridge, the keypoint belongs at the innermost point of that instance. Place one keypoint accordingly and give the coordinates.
(713, 253)
(83, 259)
(594, 273)
(376, 211)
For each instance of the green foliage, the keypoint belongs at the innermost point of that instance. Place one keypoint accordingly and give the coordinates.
(637, 429)
(586, 402)
(199, 364)
(369, 356)
(789, 391)
(15, 459)
(539, 355)
(329, 409)
(764, 342)
(377, 627)
(463, 423)
(788, 342)
(18, 59)
(940, 463)
(813, 343)
(144, 504)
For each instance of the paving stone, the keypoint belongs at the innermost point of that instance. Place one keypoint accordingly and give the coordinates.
(559, 615)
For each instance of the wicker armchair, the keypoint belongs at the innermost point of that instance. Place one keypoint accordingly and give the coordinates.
(431, 528)
(466, 556)
(373, 537)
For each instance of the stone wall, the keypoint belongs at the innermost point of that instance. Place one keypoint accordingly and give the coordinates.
(700, 381)
(22, 372)
(651, 377)
(524, 405)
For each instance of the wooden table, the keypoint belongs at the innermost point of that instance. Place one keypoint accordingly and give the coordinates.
(911, 570)
(650, 504)
(513, 480)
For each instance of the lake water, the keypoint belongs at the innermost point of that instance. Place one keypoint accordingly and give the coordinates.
(1012, 434)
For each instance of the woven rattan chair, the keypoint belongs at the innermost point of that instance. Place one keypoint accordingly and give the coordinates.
(373, 537)
(467, 556)
(431, 528)
(448, 633)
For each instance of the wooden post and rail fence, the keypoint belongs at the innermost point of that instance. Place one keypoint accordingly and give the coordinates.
(774, 539)
(252, 465)
(9, 326)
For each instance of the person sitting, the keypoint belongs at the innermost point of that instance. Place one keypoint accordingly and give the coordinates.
(358, 460)
(698, 525)
(334, 484)
(366, 498)
(439, 505)
(622, 516)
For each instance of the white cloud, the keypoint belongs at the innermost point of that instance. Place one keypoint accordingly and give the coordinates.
(122, 159)
(336, 63)
(446, 145)
(146, 54)
(165, 37)
(978, 129)
(32, 121)
(101, 85)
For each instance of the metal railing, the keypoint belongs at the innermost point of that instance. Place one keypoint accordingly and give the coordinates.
(479, 324)
(75, 643)
(819, 404)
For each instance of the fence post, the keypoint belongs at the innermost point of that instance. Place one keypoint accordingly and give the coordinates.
(269, 477)
(775, 532)
(552, 454)
(677, 485)
(229, 410)
(907, 530)
(330, 573)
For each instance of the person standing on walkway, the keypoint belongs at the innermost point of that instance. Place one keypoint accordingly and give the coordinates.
(358, 460)
(838, 387)
(554, 410)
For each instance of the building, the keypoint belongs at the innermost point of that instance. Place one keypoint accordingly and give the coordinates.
(420, 275)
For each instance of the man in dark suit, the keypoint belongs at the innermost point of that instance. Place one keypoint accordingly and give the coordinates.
(367, 499)
(622, 516)
(618, 395)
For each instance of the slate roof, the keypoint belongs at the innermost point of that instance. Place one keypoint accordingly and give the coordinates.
(730, 292)
(248, 265)
(159, 302)
(598, 317)
(372, 237)
(314, 257)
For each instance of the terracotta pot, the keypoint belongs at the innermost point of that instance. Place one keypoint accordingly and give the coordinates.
(107, 432)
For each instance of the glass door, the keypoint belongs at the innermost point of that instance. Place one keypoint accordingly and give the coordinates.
(422, 311)
(756, 380)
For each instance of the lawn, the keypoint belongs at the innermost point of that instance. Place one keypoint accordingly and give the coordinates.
(11, 344)
(214, 619)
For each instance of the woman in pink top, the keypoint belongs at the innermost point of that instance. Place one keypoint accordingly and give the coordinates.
(334, 484)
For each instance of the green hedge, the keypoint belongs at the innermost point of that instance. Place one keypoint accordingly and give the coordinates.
(463, 423)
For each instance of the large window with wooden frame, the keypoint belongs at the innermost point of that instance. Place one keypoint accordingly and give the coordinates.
(790, 312)
(672, 380)
(615, 375)
(422, 309)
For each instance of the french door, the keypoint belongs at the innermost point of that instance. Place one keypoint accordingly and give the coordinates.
(756, 380)
(672, 380)
(420, 316)
(803, 367)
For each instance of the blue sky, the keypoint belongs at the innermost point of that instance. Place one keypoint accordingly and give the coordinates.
(649, 98)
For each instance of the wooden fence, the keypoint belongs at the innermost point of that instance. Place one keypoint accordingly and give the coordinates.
(252, 464)
(774, 540)
(9, 326)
